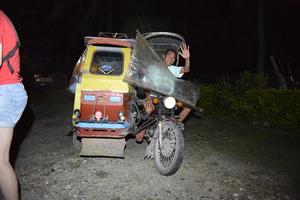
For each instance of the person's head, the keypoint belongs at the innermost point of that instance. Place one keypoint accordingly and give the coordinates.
(169, 57)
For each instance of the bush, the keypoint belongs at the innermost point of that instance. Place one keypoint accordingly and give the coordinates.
(250, 100)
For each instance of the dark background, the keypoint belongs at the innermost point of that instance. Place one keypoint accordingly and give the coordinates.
(222, 34)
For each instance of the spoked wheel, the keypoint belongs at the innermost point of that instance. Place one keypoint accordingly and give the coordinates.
(168, 151)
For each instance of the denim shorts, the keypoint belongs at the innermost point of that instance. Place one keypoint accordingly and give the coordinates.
(13, 99)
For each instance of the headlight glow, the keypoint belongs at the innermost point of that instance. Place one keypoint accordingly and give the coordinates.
(75, 116)
(169, 102)
(121, 116)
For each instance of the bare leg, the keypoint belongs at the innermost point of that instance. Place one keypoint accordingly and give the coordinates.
(8, 180)
(184, 113)
(139, 137)
(149, 107)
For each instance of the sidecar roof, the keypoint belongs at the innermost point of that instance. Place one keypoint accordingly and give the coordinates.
(108, 41)
(162, 41)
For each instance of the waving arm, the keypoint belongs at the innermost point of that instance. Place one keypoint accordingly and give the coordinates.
(185, 53)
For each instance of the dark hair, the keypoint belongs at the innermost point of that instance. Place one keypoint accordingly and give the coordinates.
(170, 50)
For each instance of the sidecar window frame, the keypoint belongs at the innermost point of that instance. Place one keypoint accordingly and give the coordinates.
(162, 41)
(98, 68)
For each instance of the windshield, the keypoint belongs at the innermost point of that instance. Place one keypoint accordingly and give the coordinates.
(147, 71)
(107, 63)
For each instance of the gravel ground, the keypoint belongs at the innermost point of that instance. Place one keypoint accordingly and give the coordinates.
(221, 161)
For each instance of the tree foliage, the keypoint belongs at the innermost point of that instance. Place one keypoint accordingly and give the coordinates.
(250, 100)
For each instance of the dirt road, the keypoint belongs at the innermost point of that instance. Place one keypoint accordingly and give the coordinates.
(221, 161)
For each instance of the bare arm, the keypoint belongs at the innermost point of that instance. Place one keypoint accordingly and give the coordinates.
(185, 53)
(186, 67)
(148, 105)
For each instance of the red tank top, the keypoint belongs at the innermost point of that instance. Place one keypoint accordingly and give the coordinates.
(9, 38)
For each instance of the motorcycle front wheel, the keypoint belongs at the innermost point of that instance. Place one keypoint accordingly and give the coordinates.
(168, 151)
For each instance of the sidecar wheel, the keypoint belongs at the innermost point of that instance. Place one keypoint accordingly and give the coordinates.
(168, 156)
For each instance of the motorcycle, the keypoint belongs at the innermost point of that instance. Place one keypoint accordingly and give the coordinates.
(163, 132)
(104, 117)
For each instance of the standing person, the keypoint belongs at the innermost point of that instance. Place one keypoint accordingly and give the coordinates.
(13, 99)
(169, 59)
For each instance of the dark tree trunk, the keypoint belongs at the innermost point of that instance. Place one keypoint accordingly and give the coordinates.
(282, 81)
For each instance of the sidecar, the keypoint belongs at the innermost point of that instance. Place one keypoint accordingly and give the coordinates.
(100, 114)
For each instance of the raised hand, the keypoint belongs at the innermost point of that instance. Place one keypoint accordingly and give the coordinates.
(185, 51)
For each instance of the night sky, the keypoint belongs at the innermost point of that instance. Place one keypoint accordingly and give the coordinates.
(222, 34)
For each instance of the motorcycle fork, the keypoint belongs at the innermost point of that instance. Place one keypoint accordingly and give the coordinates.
(159, 136)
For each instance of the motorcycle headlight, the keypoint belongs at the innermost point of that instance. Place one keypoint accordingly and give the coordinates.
(169, 102)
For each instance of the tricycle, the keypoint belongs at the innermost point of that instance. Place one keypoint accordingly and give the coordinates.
(110, 82)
